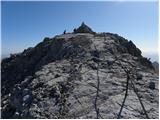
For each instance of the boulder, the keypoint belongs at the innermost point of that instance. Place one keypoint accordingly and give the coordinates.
(152, 85)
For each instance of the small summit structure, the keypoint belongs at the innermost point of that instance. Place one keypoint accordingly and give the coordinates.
(83, 29)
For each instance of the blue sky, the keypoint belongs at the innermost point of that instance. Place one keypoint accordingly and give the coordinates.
(24, 24)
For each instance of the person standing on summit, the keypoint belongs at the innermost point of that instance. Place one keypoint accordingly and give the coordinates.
(64, 32)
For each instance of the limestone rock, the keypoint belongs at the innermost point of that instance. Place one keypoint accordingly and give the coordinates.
(58, 78)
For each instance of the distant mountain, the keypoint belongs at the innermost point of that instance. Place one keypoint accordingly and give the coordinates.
(156, 66)
(83, 74)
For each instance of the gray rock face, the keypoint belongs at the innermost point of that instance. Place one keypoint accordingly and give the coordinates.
(27, 99)
(79, 75)
(84, 29)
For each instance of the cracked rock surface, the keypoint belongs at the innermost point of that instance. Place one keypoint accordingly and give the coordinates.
(58, 79)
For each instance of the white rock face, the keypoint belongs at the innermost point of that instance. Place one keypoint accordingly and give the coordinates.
(80, 102)
(67, 72)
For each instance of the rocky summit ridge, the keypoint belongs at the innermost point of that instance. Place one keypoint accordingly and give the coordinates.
(83, 74)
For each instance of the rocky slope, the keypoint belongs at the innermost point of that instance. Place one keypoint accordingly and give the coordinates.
(79, 75)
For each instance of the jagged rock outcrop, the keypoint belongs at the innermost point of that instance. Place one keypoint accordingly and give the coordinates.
(79, 75)
(84, 29)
